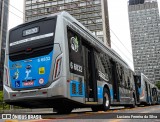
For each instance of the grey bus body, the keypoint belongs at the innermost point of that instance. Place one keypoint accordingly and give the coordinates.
(79, 68)
(158, 97)
(146, 92)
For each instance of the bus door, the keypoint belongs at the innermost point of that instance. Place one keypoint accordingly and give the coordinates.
(137, 82)
(150, 93)
(115, 82)
(154, 95)
(147, 94)
(89, 74)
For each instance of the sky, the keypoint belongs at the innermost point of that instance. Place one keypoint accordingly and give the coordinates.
(118, 19)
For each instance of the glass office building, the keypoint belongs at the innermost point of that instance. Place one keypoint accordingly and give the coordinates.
(145, 36)
(93, 14)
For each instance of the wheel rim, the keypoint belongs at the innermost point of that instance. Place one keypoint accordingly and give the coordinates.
(107, 99)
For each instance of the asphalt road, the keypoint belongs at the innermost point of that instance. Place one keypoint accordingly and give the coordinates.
(117, 114)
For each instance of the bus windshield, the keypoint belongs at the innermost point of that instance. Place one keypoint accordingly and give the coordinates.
(31, 38)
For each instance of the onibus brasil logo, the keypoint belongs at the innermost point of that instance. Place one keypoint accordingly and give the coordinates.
(74, 43)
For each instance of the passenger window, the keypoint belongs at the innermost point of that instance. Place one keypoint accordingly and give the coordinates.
(102, 67)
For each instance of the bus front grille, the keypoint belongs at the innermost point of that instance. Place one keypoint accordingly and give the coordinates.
(76, 88)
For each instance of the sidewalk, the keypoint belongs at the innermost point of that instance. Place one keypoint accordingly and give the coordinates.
(40, 110)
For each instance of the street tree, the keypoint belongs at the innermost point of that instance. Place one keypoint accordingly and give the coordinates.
(158, 84)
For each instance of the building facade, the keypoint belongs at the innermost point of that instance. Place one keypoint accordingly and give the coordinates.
(145, 36)
(93, 14)
(3, 31)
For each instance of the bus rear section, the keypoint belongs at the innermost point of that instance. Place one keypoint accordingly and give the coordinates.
(32, 64)
(146, 94)
(154, 92)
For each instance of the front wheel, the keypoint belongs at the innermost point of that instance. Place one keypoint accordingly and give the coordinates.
(106, 102)
(95, 108)
(64, 109)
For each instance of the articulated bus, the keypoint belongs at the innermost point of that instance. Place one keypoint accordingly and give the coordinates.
(146, 92)
(56, 62)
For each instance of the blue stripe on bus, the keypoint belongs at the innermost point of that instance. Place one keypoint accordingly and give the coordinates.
(111, 93)
(140, 90)
(75, 89)
(148, 99)
(100, 92)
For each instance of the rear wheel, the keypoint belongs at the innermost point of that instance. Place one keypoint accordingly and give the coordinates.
(106, 100)
(134, 103)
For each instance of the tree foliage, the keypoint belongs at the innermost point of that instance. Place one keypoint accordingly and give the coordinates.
(1, 96)
(158, 84)
(3, 105)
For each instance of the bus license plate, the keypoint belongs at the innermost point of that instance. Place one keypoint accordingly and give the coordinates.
(28, 83)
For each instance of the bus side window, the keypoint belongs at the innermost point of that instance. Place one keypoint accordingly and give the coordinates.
(101, 65)
(132, 80)
(119, 73)
(129, 83)
(97, 67)
(108, 66)
(125, 78)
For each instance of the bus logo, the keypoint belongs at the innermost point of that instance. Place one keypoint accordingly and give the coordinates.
(28, 71)
(74, 43)
(41, 70)
(17, 65)
(41, 81)
(17, 83)
(16, 75)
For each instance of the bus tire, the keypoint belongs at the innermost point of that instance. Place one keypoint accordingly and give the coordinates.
(95, 108)
(134, 103)
(64, 110)
(106, 100)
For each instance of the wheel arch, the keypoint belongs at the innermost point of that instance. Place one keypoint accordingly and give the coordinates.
(107, 87)
(135, 98)
(134, 95)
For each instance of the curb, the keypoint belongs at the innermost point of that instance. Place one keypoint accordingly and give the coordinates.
(26, 110)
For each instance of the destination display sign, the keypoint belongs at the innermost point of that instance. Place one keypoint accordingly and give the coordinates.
(31, 31)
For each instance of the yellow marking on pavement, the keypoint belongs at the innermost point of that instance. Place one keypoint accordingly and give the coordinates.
(38, 120)
(90, 112)
(115, 120)
(11, 120)
(100, 111)
(91, 102)
(71, 115)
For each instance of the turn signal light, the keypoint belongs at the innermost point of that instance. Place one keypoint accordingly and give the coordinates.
(57, 68)
(6, 76)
